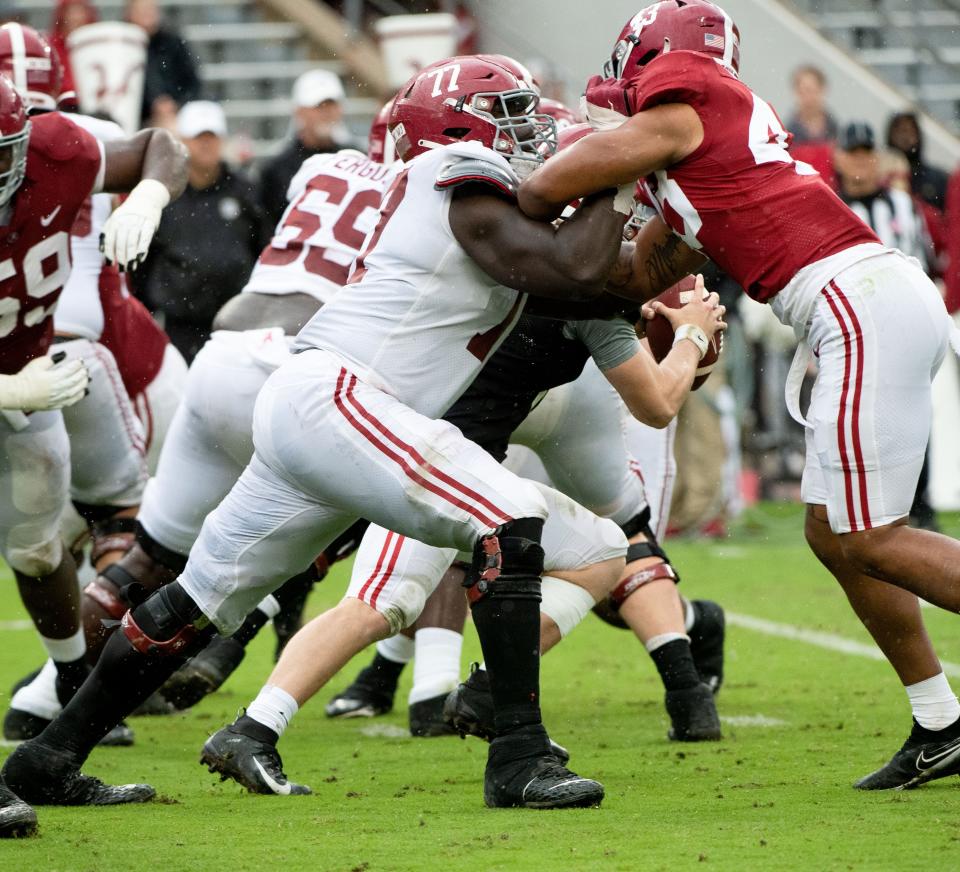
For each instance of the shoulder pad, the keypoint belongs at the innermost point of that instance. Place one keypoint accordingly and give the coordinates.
(476, 169)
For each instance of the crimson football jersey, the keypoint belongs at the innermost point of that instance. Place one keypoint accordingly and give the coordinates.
(64, 164)
(740, 197)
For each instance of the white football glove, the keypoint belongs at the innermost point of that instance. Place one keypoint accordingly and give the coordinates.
(45, 383)
(127, 232)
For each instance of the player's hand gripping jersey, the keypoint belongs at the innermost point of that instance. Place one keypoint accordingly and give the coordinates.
(333, 205)
(64, 164)
(740, 197)
(419, 317)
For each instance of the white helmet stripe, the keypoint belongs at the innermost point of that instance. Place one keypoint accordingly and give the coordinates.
(18, 56)
(728, 40)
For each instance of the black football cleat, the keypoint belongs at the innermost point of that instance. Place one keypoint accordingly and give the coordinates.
(21, 726)
(17, 819)
(693, 715)
(44, 775)
(468, 710)
(251, 763)
(925, 756)
(706, 642)
(426, 718)
(203, 674)
(27, 679)
(370, 696)
(522, 772)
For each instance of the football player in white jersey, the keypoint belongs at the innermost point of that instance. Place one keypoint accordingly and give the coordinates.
(348, 429)
(333, 204)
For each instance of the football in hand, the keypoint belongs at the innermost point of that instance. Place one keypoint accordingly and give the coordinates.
(660, 331)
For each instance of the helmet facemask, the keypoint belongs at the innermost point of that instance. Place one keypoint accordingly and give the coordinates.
(16, 144)
(524, 137)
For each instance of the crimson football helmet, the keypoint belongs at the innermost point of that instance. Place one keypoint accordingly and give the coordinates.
(674, 25)
(28, 61)
(470, 99)
(561, 113)
(14, 137)
(379, 143)
(521, 71)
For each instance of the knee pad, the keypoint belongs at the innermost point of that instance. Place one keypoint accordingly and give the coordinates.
(38, 560)
(115, 590)
(167, 557)
(507, 563)
(165, 624)
(608, 609)
(565, 603)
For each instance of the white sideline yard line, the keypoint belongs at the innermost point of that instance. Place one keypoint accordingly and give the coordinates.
(16, 625)
(818, 638)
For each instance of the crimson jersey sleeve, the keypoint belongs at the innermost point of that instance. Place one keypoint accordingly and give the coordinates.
(63, 149)
(675, 77)
(739, 196)
(64, 164)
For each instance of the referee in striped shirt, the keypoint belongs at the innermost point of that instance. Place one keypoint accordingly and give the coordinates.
(895, 218)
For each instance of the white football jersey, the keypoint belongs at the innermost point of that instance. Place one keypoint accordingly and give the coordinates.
(79, 311)
(418, 317)
(333, 204)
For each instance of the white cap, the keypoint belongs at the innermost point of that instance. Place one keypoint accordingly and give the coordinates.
(315, 87)
(201, 116)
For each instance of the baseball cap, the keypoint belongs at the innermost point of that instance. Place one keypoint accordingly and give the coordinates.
(315, 87)
(201, 116)
(857, 134)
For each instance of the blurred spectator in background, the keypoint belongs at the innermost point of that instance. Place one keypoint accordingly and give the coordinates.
(927, 182)
(208, 240)
(891, 213)
(895, 218)
(171, 78)
(814, 129)
(67, 16)
(811, 120)
(317, 128)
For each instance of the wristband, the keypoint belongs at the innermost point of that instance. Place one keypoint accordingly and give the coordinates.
(695, 335)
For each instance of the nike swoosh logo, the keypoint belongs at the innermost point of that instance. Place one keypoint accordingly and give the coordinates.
(47, 219)
(271, 782)
(523, 793)
(924, 762)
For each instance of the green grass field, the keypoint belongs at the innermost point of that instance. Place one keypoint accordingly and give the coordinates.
(803, 723)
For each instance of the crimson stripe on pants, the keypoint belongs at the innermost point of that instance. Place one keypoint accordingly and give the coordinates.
(429, 468)
(388, 572)
(341, 399)
(857, 393)
(378, 566)
(841, 427)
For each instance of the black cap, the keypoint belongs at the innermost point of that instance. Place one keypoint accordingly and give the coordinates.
(857, 134)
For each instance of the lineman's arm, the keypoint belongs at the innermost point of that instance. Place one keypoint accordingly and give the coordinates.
(152, 166)
(656, 259)
(646, 142)
(569, 262)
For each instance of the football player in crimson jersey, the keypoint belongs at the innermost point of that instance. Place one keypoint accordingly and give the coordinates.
(712, 156)
(48, 167)
(447, 279)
